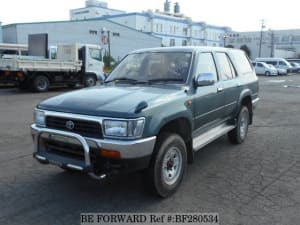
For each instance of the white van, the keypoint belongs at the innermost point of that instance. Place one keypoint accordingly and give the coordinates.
(280, 63)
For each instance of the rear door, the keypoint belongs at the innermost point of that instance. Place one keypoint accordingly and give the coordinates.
(231, 87)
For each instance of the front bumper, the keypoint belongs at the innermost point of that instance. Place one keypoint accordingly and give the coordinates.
(131, 151)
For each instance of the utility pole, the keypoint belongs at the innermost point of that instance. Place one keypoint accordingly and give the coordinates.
(261, 36)
(272, 43)
(108, 35)
(106, 40)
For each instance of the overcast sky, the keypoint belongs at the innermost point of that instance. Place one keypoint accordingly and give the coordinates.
(237, 14)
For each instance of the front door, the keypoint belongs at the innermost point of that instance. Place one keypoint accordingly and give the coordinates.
(94, 62)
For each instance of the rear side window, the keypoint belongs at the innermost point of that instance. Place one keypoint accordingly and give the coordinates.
(227, 71)
(272, 62)
(206, 64)
(241, 62)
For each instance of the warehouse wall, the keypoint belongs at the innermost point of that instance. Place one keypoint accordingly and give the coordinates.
(123, 39)
(9, 33)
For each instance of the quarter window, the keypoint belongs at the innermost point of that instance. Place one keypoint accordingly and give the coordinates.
(242, 63)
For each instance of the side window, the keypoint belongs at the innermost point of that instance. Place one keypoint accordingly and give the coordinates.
(24, 52)
(95, 54)
(282, 63)
(226, 70)
(206, 64)
(259, 65)
(272, 62)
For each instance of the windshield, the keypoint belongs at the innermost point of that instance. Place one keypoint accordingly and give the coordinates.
(153, 66)
(271, 66)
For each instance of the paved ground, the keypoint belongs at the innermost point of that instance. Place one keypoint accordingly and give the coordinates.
(254, 183)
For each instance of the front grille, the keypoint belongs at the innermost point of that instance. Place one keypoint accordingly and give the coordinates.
(82, 127)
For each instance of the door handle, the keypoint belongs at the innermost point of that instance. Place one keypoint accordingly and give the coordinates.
(238, 85)
(220, 89)
(90, 64)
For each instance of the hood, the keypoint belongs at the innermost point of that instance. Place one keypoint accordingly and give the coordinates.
(110, 101)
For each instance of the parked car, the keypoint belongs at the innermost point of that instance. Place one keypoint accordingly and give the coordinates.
(279, 63)
(280, 71)
(296, 67)
(293, 60)
(262, 68)
(156, 109)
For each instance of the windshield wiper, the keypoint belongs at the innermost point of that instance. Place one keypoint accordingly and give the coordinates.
(129, 80)
(165, 80)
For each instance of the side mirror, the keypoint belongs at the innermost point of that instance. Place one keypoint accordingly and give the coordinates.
(204, 79)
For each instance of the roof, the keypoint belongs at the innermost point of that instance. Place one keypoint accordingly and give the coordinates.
(186, 49)
(85, 20)
(167, 18)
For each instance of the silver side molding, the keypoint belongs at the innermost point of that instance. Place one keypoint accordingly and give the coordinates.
(71, 166)
(255, 101)
(211, 135)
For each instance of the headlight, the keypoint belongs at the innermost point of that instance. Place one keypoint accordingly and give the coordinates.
(124, 128)
(39, 118)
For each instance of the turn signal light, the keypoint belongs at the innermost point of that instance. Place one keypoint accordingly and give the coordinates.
(110, 153)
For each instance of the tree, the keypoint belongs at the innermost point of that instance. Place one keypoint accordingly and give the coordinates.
(109, 63)
(246, 49)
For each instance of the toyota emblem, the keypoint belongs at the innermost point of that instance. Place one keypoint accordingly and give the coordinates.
(70, 125)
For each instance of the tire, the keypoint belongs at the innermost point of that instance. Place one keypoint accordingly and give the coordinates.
(239, 134)
(167, 168)
(41, 84)
(267, 73)
(90, 80)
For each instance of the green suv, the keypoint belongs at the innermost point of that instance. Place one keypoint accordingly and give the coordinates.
(156, 109)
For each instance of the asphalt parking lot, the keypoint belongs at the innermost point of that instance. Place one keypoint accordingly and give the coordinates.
(256, 183)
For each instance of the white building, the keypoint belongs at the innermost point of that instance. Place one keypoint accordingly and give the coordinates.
(122, 38)
(174, 28)
(93, 9)
(1, 40)
(275, 43)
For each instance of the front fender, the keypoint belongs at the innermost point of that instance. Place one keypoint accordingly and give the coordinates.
(166, 115)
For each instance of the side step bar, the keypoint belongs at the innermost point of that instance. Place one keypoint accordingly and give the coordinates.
(211, 135)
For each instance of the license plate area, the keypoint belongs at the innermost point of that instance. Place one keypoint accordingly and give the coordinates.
(62, 146)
